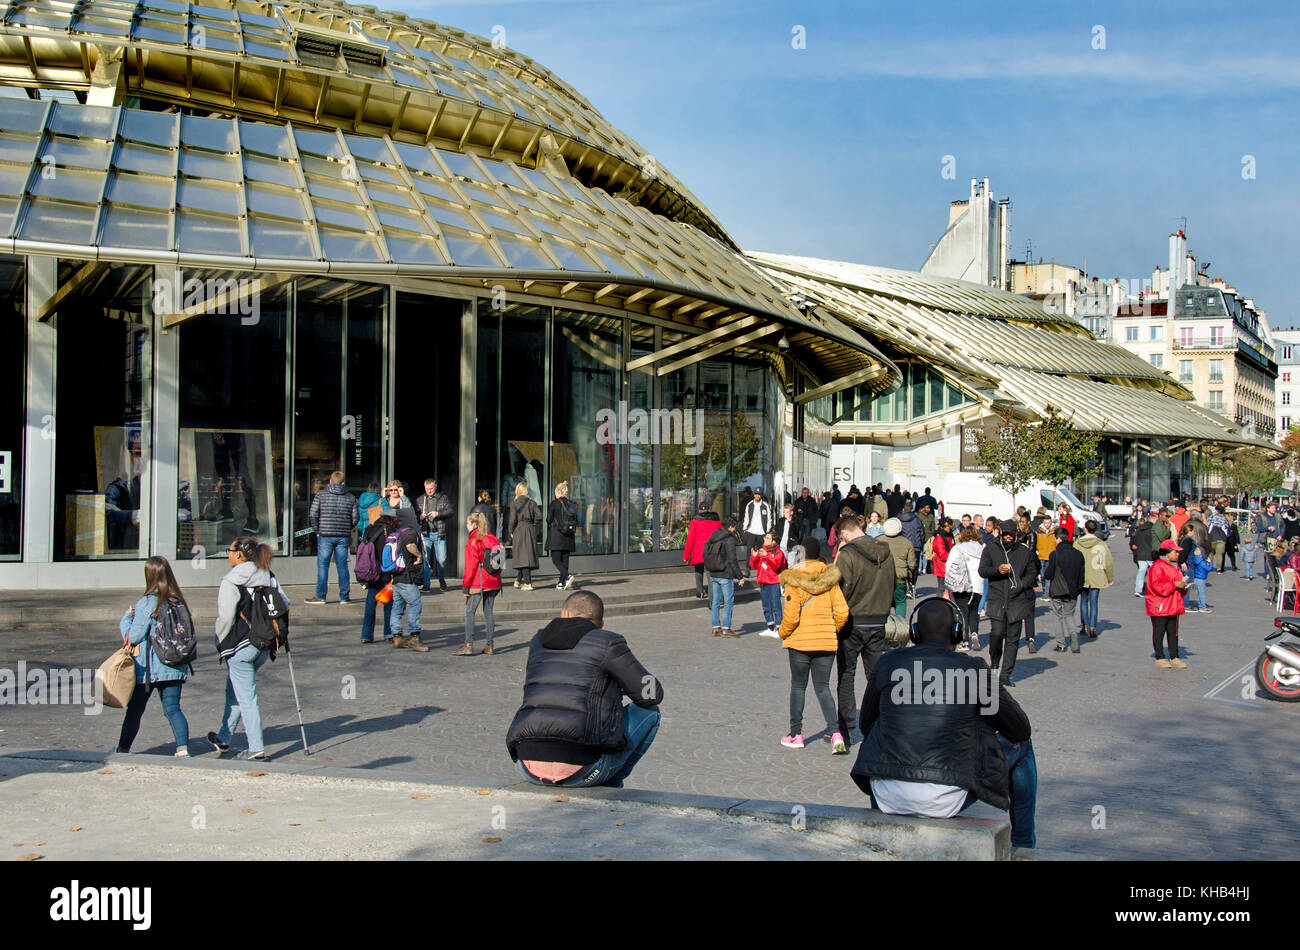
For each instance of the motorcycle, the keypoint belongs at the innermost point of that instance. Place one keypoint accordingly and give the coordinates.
(1277, 671)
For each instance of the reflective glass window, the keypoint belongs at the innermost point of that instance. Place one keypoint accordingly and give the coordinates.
(208, 233)
(58, 222)
(276, 238)
(130, 227)
(13, 387)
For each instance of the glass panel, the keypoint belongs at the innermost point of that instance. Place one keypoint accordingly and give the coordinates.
(93, 122)
(217, 135)
(205, 36)
(268, 139)
(936, 392)
(466, 251)
(59, 222)
(101, 459)
(436, 189)
(127, 227)
(586, 424)
(139, 158)
(348, 246)
(70, 185)
(13, 422)
(257, 47)
(25, 116)
(204, 165)
(411, 249)
(318, 143)
(279, 202)
(641, 454)
(20, 151)
(159, 31)
(232, 391)
(524, 254)
(87, 154)
(209, 196)
(208, 233)
(273, 238)
(340, 215)
(155, 128)
(139, 190)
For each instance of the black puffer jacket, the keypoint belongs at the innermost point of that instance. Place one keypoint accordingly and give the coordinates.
(947, 743)
(574, 685)
(1011, 596)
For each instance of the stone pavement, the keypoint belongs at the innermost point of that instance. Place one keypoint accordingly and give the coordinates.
(1134, 762)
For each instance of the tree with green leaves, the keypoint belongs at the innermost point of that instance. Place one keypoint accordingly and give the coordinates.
(1061, 452)
(1006, 456)
(1253, 472)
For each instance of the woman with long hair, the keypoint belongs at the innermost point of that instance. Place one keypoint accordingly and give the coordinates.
(561, 533)
(525, 519)
(480, 584)
(151, 673)
(250, 567)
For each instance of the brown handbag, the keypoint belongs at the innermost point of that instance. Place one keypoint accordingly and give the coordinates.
(115, 679)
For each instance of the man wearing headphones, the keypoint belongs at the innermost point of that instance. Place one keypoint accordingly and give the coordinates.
(1011, 571)
(940, 734)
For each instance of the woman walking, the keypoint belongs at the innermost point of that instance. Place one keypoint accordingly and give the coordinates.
(525, 517)
(875, 527)
(480, 584)
(964, 584)
(941, 545)
(561, 532)
(151, 673)
(769, 562)
(815, 610)
(250, 566)
(1164, 602)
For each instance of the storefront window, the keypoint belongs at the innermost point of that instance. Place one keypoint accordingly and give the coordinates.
(586, 388)
(13, 353)
(681, 482)
(101, 423)
(641, 503)
(232, 418)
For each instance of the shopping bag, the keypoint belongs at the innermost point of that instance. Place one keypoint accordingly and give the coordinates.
(115, 679)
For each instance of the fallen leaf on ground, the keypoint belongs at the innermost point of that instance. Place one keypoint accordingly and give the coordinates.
(491, 840)
(29, 857)
(248, 811)
(104, 772)
(227, 799)
(254, 774)
(320, 819)
(618, 824)
(39, 843)
(485, 791)
(419, 796)
(18, 844)
(75, 828)
(560, 798)
(295, 824)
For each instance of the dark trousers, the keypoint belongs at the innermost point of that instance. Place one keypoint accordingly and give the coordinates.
(819, 663)
(170, 692)
(968, 602)
(1003, 634)
(525, 575)
(858, 640)
(701, 582)
(561, 561)
(1164, 629)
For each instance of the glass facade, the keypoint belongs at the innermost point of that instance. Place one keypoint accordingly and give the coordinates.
(923, 393)
(13, 402)
(101, 425)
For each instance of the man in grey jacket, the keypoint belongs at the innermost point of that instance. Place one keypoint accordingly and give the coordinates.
(333, 513)
(434, 508)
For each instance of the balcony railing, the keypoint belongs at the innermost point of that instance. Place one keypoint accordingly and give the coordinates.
(1202, 343)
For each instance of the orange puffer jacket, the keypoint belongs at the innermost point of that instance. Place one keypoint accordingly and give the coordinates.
(815, 608)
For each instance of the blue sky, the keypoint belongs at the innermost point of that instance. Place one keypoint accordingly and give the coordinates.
(836, 150)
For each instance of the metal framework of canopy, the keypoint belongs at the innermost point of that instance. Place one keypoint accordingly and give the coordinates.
(124, 185)
(418, 82)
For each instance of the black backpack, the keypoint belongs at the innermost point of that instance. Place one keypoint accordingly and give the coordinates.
(567, 520)
(172, 638)
(715, 554)
(265, 611)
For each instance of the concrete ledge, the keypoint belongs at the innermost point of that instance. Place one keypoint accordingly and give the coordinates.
(981, 834)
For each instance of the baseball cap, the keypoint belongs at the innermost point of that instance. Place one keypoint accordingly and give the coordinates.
(1168, 544)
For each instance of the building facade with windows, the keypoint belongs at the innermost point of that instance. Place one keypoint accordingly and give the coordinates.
(245, 244)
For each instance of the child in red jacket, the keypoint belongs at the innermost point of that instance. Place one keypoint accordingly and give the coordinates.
(1164, 602)
(769, 560)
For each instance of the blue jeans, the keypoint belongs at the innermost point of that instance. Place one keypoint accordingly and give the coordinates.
(1023, 769)
(1250, 567)
(771, 595)
(724, 595)
(1199, 582)
(368, 618)
(1140, 584)
(612, 769)
(984, 597)
(406, 600)
(1088, 605)
(337, 548)
(170, 694)
(437, 547)
(241, 696)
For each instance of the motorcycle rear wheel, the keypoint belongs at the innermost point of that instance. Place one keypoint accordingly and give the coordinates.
(1280, 680)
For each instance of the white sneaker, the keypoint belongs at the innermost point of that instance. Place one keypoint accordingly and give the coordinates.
(769, 632)
(569, 582)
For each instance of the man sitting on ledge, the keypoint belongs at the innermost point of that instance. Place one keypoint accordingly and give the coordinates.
(573, 729)
(941, 732)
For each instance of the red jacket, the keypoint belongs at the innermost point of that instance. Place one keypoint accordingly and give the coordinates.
(769, 563)
(1067, 522)
(475, 577)
(1163, 598)
(941, 550)
(696, 534)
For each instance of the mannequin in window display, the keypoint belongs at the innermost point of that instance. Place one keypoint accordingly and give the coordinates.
(122, 496)
(230, 461)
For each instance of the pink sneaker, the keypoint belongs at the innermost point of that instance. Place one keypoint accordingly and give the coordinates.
(793, 742)
(837, 745)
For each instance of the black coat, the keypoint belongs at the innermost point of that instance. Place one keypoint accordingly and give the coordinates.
(1064, 573)
(556, 540)
(1011, 596)
(525, 519)
(1141, 543)
(574, 684)
(948, 743)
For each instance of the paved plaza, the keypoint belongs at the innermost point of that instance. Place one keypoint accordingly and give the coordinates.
(1133, 762)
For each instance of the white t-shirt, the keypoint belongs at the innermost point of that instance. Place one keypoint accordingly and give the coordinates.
(755, 525)
(785, 535)
(922, 799)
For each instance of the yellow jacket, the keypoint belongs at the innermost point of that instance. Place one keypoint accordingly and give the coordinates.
(815, 608)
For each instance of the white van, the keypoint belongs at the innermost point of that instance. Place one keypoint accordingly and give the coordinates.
(967, 493)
